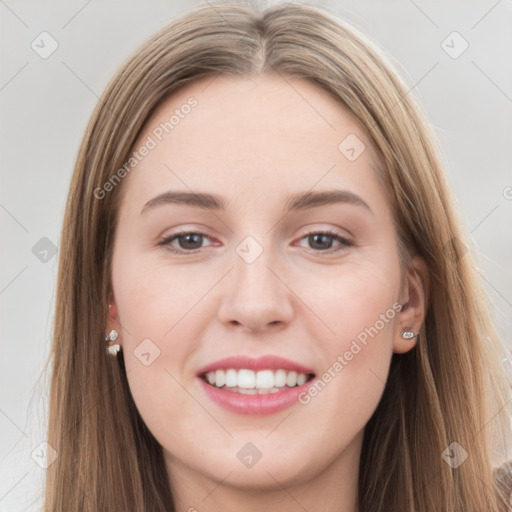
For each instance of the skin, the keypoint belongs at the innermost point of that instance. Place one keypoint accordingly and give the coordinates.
(253, 142)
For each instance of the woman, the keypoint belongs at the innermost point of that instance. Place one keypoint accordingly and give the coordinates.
(264, 299)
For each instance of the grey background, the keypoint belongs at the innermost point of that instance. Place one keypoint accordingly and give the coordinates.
(46, 104)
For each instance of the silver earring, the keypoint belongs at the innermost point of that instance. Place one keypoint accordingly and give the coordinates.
(409, 335)
(112, 350)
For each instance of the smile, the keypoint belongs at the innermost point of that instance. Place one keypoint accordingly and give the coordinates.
(249, 382)
(244, 385)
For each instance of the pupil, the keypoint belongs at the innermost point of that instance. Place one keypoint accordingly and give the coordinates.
(191, 240)
(322, 241)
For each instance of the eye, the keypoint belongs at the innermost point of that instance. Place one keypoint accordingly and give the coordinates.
(323, 241)
(190, 242)
(187, 242)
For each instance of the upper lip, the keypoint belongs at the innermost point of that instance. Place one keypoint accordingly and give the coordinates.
(268, 362)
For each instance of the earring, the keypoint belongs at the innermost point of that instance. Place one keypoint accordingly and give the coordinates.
(409, 335)
(112, 350)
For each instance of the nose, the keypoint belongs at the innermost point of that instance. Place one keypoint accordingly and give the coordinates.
(256, 296)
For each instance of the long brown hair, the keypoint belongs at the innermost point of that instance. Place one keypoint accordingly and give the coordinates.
(448, 389)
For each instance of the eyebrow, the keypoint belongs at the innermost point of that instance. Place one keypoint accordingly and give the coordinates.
(299, 201)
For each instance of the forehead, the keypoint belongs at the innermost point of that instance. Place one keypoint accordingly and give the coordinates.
(265, 134)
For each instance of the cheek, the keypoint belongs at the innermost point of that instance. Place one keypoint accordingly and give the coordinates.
(356, 298)
(161, 325)
(155, 300)
(360, 308)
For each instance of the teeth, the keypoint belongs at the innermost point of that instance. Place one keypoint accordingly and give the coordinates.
(245, 379)
(301, 379)
(247, 391)
(220, 378)
(291, 379)
(231, 379)
(265, 379)
(250, 383)
(280, 378)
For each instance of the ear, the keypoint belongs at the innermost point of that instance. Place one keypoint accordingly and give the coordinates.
(414, 300)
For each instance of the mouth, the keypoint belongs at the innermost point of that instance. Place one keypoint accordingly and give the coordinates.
(244, 385)
(250, 382)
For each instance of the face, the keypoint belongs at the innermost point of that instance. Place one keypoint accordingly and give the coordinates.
(257, 322)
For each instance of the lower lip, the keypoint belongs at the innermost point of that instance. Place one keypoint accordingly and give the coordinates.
(268, 403)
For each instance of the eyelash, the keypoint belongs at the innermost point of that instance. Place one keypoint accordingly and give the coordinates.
(343, 241)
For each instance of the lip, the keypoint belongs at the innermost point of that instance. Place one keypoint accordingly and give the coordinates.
(268, 362)
(254, 404)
